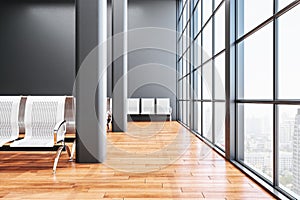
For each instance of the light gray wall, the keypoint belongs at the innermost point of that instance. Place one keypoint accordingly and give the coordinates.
(37, 47)
(152, 71)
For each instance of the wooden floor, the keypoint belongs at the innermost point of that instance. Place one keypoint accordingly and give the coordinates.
(151, 161)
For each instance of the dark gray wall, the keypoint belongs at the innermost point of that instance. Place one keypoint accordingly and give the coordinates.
(37, 47)
(152, 72)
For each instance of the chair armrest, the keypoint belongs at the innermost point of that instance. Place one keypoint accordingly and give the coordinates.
(170, 110)
(58, 125)
(59, 138)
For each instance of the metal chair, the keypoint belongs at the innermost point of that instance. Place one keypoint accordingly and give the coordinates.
(148, 106)
(133, 106)
(45, 125)
(9, 114)
(163, 107)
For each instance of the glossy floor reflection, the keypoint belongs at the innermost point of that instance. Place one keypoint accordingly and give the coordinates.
(152, 160)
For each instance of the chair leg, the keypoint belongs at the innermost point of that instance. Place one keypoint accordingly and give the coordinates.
(69, 152)
(57, 158)
(73, 150)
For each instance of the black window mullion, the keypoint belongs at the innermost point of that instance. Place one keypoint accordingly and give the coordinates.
(239, 91)
(189, 62)
(213, 73)
(275, 97)
(177, 60)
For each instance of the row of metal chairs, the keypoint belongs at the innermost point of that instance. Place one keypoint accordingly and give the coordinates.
(149, 106)
(44, 123)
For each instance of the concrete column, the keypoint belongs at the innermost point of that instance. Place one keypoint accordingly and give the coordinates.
(119, 65)
(91, 80)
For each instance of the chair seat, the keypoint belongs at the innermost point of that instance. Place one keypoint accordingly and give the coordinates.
(33, 143)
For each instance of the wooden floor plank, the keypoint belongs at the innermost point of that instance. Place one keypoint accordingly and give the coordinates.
(158, 160)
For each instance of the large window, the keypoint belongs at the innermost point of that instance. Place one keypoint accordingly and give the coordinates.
(206, 78)
(256, 129)
(255, 55)
(288, 51)
(268, 98)
(289, 151)
(183, 61)
(262, 72)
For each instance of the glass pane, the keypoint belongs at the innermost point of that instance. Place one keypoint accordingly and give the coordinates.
(188, 37)
(184, 16)
(184, 87)
(195, 2)
(217, 3)
(220, 29)
(289, 43)
(197, 20)
(184, 41)
(180, 47)
(197, 51)
(207, 120)
(219, 82)
(180, 5)
(220, 124)
(184, 112)
(197, 84)
(187, 58)
(207, 41)
(255, 60)
(179, 29)
(179, 90)
(184, 65)
(180, 68)
(195, 23)
(251, 13)
(255, 127)
(188, 87)
(199, 16)
(197, 117)
(207, 80)
(191, 59)
(283, 3)
(289, 147)
(180, 110)
(207, 10)
(188, 10)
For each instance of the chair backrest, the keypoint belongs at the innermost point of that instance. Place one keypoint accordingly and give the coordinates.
(9, 116)
(148, 106)
(42, 113)
(133, 106)
(162, 106)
